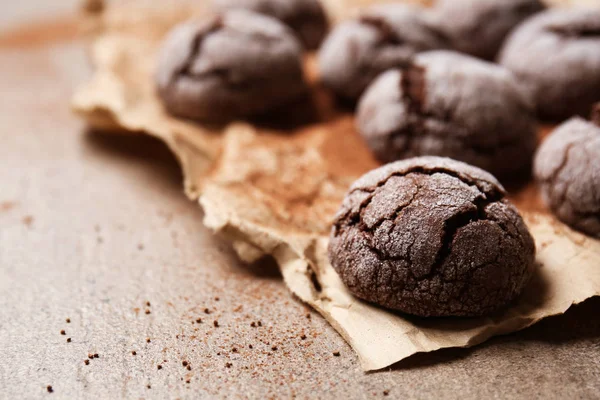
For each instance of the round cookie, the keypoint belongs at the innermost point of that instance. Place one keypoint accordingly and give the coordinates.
(236, 65)
(384, 36)
(431, 236)
(479, 27)
(451, 105)
(567, 168)
(556, 55)
(306, 17)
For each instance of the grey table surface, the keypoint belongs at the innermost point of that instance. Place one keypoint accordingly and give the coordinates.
(94, 227)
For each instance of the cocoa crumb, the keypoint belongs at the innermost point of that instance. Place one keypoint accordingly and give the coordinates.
(147, 304)
(187, 381)
(206, 311)
(133, 353)
(63, 332)
(249, 346)
(189, 367)
(234, 350)
(259, 323)
(199, 321)
(68, 320)
(336, 353)
(49, 389)
(68, 340)
(303, 337)
(149, 387)
(274, 348)
(148, 340)
(386, 392)
(253, 324)
(28, 220)
(228, 365)
(216, 323)
(219, 353)
(92, 6)
(217, 299)
(308, 315)
(159, 366)
(147, 311)
(184, 363)
(90, 356)
(86, 362)
(96, 355)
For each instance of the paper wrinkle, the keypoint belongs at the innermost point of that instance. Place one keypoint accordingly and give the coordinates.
(275, 192)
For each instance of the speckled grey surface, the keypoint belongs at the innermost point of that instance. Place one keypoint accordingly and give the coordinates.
(74, 210)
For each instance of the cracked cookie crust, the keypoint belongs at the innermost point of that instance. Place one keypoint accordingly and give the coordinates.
(478, 27)
(236, 65)
(450, 105)
(431, 236)
(383, 37)
(567, 168)
(306, 17)
(556, 56)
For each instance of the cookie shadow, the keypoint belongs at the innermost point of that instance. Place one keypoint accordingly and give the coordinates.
(141, 149)
(317, 106)
(574, 325)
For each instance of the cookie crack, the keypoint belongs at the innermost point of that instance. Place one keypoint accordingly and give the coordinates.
(456, 222)
(196, 45)
(387, 35)
(350, 218)
(575, 32)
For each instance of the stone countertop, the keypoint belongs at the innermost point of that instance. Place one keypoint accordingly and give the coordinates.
(94, 228)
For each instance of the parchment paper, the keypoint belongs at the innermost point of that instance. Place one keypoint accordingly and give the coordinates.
(275, 190)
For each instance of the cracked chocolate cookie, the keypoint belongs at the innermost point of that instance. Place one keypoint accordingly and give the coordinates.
(567, 168)
(556, 55)
(451, 105)
(431, 236)
(236, 65)
(385, 36)
(306, 17)
(479, 27)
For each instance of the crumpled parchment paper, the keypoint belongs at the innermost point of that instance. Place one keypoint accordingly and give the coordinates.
(274, 191)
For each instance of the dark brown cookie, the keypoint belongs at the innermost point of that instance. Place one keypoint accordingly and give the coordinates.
(306, 17)
(451, 105)
(556, 55)
(431, 236)
(235, 65)
(567, 168)
(479, 27)
(385, 36)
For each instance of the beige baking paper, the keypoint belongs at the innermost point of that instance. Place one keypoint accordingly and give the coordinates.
(274, 191)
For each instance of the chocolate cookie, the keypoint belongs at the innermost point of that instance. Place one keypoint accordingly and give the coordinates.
(431, 236)
(567, 168)
(447, 104)
(306, 17)
(385, 36)
(235, 65)
(556, 55)
(478, 27)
